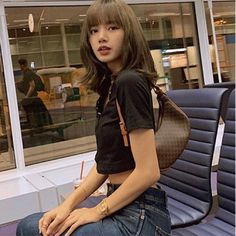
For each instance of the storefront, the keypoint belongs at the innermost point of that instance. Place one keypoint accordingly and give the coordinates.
(47, 35)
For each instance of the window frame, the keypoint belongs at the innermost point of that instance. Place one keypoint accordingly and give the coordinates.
(8, 68)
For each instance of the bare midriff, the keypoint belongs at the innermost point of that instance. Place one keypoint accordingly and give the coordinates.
(119, 178)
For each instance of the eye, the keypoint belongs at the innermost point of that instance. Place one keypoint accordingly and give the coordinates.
(93, 30)
(113, 27)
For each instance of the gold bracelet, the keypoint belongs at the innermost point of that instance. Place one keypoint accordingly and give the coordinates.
(102, 208)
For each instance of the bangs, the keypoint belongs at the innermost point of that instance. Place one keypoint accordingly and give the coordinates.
(104, 12)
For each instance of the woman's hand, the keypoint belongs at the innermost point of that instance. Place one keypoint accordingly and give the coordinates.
(50, 221)
(77, 218)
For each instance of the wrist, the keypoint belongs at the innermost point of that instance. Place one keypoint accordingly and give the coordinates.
(67, 205)
(77, 196)
(84, 194)
(102, 208)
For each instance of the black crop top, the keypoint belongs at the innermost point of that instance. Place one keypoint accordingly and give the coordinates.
(134, 96)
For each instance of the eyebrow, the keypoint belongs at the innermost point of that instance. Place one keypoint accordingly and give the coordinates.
(106, 23)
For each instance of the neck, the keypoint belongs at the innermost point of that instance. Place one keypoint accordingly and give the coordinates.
(114, 68)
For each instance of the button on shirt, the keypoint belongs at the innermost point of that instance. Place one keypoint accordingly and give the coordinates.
(133, 93)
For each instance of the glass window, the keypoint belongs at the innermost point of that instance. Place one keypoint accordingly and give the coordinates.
(224, 25)
(7, 160)
(171, 32)
(57, 124)
(52, 125)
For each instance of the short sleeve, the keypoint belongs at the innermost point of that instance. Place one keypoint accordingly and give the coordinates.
(134, 98)
(29, 76)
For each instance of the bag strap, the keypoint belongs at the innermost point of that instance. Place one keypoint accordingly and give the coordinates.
(122, 125)
(161, 98)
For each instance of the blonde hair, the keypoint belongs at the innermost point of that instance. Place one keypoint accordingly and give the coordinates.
(135, 51)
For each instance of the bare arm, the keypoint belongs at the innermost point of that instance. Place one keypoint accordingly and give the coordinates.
(91, 183)
(55, 217)
(31, 88)
(145, 174)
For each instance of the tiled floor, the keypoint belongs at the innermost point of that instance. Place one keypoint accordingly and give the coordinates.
(8, 230)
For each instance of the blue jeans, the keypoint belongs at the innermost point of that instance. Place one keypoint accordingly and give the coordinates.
(146, 216)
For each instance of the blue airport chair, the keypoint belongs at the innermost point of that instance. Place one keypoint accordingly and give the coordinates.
(230, 86)
(223, 224)
(188, 181)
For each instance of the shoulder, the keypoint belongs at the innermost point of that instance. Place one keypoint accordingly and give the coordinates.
(130, 78)
(29, 72)
(32, 75)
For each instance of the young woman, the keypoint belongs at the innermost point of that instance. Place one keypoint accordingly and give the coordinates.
(119, 67)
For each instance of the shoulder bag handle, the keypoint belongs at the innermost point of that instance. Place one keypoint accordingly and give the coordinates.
(160, 98)
(122, 125)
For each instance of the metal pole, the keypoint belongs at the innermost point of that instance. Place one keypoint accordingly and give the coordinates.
(214, 40)
(11, 91)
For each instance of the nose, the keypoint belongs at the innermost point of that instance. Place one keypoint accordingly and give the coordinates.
(102, 35)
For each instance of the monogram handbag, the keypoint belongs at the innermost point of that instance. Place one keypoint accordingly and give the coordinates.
(172, 129)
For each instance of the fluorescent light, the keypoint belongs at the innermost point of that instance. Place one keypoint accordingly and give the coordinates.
(221, 14)
(20, 21)
(165, 58)
(62, 19)
(49, 23)
(217, 16)
(165, 14)
(174, 50)
(169, 14)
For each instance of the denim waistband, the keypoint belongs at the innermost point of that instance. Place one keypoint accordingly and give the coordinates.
(156, 195)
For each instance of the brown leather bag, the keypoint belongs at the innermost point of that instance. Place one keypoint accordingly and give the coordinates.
(171, 133)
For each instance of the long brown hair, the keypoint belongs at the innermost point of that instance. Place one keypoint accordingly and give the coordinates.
(135, 52)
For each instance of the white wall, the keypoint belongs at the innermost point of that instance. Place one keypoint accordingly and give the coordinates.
(39, 188)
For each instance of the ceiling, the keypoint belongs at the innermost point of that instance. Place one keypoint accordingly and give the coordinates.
(18, 16)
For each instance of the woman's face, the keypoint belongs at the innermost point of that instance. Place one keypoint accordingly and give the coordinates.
(106, 41)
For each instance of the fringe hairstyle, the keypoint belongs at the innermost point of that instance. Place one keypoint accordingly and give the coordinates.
(135, 51)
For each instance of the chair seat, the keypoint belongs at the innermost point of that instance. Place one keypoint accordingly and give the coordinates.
(187, 181)
(223, 223)
(214, 227)
(183, 208)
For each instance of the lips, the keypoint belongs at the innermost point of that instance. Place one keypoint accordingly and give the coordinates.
(104, 50)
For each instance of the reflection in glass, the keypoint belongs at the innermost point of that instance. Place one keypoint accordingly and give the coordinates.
(224, 24)
(53, 50)
(6, 150)
(171, 32)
